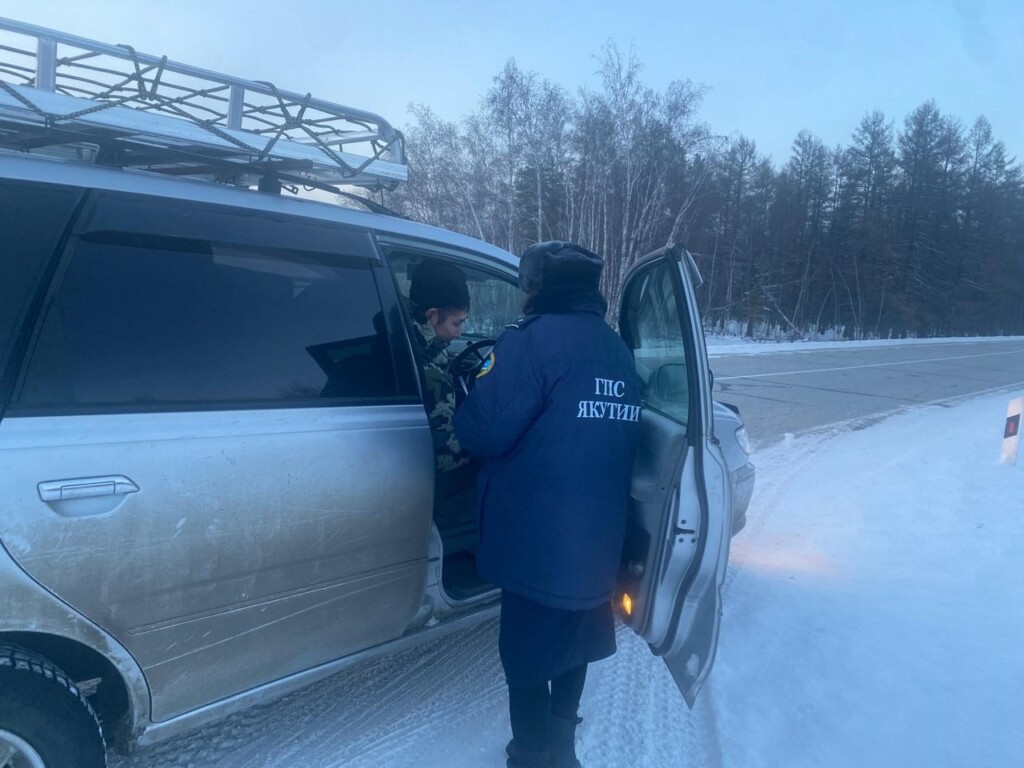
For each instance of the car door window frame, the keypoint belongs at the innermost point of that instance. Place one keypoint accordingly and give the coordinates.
(696, 418)
(25, 320)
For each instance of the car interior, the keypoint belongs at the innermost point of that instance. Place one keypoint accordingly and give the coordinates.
(495, 301)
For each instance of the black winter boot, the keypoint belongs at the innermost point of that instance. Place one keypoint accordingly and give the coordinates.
(518, 758)
(563, 742)
(529, 708)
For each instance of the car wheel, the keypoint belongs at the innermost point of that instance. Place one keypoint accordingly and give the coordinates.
(45, 721)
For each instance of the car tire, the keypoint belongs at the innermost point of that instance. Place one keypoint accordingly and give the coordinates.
(45, 721)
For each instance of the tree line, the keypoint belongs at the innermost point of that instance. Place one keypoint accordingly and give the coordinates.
(910, 229)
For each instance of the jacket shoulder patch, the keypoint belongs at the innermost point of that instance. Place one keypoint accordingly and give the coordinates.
(487, 366)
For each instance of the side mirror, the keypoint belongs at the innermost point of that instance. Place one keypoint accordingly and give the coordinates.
(670, 383)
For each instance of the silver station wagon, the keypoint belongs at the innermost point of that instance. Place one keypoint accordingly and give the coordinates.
(216, 471)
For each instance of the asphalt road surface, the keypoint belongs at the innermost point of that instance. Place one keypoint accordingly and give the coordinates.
(798, 391)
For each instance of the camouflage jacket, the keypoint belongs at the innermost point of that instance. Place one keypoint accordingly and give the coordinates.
(440, 400)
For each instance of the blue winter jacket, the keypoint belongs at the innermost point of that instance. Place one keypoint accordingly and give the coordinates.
(555, 421)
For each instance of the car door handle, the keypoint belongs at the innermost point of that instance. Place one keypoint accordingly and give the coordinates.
(82, 487)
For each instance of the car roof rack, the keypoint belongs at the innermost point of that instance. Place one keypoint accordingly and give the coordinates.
(67, 96)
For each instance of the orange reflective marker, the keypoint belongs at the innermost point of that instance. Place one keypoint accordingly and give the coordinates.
(627, 605)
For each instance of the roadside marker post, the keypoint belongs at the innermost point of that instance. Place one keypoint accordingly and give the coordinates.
(1011, 432)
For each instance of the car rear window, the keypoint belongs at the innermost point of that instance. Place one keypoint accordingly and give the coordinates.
(185, 317)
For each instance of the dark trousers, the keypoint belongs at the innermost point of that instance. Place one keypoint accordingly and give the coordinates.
(544, 653)
(531, 707)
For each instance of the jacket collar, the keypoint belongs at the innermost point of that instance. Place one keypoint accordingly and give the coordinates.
(563, 300)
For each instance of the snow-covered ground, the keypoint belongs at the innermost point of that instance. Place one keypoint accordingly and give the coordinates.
(875, 605)
(874, 616)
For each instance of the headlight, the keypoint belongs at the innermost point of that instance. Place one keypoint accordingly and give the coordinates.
(743, 440)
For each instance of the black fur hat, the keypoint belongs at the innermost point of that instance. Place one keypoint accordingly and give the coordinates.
(439, 285)
(558, 264)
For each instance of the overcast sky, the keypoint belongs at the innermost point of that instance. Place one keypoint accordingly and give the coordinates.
(772, 68)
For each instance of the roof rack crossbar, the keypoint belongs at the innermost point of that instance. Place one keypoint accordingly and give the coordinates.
(100, 93)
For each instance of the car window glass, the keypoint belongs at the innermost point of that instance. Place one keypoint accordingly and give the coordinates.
(148, 321)
(651, 325)
(495, 299)
(32, 220)
(496, 302)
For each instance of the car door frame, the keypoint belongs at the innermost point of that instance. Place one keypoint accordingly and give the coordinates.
(445, 608)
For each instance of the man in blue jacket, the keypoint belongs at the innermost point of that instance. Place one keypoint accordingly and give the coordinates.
(554, 418)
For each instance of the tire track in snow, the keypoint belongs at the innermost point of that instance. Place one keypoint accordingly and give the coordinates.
(463, 680)
(373, 715)
(634, 715)
(783, 462)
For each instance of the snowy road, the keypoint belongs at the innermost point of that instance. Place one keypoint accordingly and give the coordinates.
(872, 618)
(784, 388)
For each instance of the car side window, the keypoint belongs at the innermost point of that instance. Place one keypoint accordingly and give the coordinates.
(650, 324)
(496, 302)
(495, 299)
(147, 321)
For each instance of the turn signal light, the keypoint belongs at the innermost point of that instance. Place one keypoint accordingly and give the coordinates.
(627, 604)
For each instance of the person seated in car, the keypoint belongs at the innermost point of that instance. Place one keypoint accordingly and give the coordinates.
(439, 304)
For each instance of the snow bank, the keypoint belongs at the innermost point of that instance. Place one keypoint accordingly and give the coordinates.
(873, 614)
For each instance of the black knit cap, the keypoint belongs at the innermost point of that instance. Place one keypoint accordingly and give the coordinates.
(557, 264)
(440, 285)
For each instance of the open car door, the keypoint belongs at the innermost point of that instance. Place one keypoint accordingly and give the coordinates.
(677, 540)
